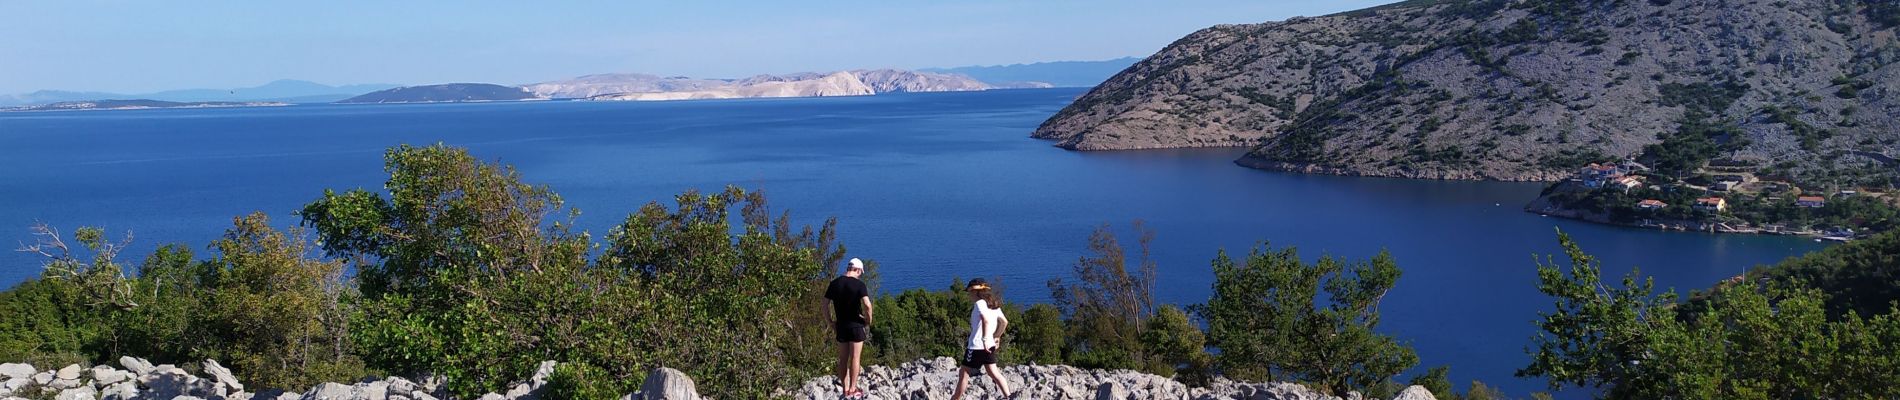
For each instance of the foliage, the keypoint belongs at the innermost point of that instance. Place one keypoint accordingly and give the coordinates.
(274, 313)
(1107, 303)
(462, 275)
(1038, 337)
(1266, 319)
(1742, 340)
(584, 381)
(1175, 345)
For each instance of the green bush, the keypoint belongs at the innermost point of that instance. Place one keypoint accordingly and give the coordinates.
(580, 381)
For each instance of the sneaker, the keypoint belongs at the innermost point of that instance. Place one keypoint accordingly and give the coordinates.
(855, 394)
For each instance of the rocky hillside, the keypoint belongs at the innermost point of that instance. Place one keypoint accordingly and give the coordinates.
(444, 93)
(1521, 90)
(922, 379)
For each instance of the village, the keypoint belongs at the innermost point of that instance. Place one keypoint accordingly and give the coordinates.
(1716, 199)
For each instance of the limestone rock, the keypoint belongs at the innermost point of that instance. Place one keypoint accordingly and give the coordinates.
(1415, 392)
(104, 375)
(542, 373)
(1111, 391)
(70, 372)
(78, 393)
(124, 390)
(668, 384)
(329, 391)
(138, 366)
(16, 370)
(223, 375)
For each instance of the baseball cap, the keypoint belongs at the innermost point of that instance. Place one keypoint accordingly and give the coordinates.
(854, 264)
(976, 283)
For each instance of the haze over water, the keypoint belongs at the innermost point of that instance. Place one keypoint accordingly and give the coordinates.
(934, 186)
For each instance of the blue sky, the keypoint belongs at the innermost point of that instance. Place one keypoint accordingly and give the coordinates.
(150, 46)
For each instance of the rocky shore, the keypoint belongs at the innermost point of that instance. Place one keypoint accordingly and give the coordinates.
(921, 380)
(1251, 161)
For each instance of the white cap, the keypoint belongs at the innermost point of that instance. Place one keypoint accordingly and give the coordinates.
(854, 264)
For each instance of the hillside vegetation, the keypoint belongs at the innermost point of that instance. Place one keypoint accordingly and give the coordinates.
(1802, 90)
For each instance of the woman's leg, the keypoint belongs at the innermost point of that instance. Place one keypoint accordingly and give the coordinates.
(963, 382)
(996, 374)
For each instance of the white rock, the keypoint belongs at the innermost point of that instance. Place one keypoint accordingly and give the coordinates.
(42, 378)
(329, 391)
(17, 370)
(1111, 391)
(138, 366)
(1415, 392)
(492, 396)
(126, 390)
(542, 373)
(223, 375)
(668, 384)
(104, 375)
(70, 372)
(78, 393)
(14, 385)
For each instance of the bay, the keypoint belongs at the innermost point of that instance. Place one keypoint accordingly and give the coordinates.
(934, 186)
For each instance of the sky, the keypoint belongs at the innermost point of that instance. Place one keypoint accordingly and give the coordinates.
(133, 47)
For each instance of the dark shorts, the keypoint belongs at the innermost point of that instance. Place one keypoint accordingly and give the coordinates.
(976, 359)
(852, 332)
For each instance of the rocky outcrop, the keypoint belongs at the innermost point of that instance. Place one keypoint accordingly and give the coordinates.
(899, 81)
(1515, 90)
(937, 378)
(140, 380)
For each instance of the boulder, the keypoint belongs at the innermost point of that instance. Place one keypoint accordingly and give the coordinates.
(78, 393)
(124, 390)
(1415, 392)
(329, 391)
(138, 366)
(104, 375)
(17, 371)
(166, 381)
(71, 372)
(42, 378)
(668, 384)
(14, 385)
(223, 375)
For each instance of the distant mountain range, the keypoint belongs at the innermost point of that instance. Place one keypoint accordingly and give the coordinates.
(285, 91)
(136, 105)
(1059, 73)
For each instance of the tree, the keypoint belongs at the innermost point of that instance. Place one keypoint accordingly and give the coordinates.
(1740, 340)
(1268, 323)
(1038, 337)
(273, 312)
(1107, 304)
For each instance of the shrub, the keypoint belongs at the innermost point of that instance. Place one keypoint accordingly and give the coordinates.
(1107, 304)
(583, 381)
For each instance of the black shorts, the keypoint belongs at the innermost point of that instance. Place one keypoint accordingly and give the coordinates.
(852, 332)
(976, 359)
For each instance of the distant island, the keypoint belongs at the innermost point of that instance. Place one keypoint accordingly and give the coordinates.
(139, 104)
(444, 93)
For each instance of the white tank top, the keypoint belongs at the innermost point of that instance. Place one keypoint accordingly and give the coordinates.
(983, 321)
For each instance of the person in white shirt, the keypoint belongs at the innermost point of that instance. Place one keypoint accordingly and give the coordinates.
(987, 324)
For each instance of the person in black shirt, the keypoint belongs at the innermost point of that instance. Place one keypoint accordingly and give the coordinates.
(848, 309)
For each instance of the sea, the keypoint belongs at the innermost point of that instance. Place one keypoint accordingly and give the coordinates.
(935, 187)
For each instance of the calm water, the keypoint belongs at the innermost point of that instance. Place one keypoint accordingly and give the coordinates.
(934, 186)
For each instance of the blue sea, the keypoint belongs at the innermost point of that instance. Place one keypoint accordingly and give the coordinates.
(934, 186)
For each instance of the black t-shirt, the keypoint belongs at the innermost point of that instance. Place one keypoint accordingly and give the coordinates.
(846, 294)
